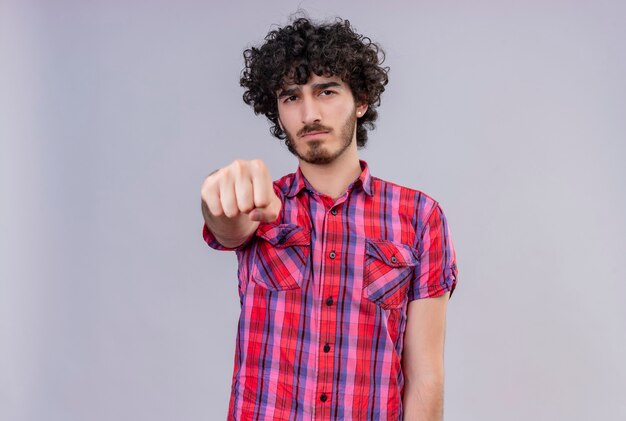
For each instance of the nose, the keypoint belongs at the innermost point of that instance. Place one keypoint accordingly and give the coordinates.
(310, 110)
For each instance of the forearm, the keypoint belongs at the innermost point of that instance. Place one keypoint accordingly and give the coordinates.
(423, 398)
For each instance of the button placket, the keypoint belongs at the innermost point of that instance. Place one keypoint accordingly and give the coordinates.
(330, 282)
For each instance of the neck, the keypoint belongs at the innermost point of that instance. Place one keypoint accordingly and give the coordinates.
(334, 178)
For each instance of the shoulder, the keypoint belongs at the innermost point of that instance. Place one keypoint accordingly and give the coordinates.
(286, 180)
(284, 184)
(410, 200)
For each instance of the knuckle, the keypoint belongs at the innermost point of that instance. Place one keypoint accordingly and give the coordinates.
(259, 165)
(208, 183)
(238, 168)
(238, 164)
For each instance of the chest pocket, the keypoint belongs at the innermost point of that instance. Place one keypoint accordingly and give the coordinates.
(281, 257)
(389, 267)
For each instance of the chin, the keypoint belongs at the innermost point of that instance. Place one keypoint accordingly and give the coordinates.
(320, 157)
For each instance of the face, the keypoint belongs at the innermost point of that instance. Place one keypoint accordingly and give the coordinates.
(318, 118)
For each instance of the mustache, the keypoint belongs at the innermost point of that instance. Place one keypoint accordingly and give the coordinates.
(315, 127)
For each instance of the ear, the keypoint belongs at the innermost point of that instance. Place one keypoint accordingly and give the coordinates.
(280, 124)
(361, 109)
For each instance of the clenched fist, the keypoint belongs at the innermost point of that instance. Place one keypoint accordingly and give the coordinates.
(241, 188)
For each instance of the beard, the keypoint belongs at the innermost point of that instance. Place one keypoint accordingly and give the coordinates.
(315, 152)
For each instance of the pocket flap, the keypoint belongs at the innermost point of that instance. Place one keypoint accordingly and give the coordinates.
(393, 254)
(284, 235)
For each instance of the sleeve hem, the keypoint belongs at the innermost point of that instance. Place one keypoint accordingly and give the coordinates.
(210, 239)
(428, 292)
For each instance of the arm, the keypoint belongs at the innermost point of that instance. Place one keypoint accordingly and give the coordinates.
(236, 198)
(422, 359)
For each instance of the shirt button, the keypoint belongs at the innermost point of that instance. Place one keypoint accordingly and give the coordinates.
(329, 301)
(333, 211)
(323, 397)
(394, 259)
(326, 348)
(332, 255)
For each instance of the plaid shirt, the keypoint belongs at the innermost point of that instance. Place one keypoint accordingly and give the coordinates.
(324, 293)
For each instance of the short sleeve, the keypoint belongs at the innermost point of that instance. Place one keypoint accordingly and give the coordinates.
(436, 271)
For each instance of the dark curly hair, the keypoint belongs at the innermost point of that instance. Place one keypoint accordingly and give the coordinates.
(291, 53)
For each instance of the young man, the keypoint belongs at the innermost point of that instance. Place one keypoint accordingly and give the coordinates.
(343, 278)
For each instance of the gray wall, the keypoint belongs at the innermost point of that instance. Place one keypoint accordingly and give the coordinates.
(511, 114)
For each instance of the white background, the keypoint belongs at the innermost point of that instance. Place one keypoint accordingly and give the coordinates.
(510, 114)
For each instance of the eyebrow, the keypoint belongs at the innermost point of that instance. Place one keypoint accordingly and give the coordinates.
(289, 92)
(326, 85)
(316, 87)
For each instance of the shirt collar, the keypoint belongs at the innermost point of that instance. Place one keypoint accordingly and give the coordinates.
(300, 183)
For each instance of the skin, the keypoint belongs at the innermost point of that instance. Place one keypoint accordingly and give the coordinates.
(328, 156)
(236, 198)
(319, 119)
(422, 359)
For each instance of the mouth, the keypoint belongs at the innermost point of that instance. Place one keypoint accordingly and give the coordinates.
(311, 134)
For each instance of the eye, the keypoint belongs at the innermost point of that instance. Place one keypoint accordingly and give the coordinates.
(327, 92)
(290, 98)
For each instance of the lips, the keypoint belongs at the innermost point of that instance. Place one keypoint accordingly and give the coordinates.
(314, 133)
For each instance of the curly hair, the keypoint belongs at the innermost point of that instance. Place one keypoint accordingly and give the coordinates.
(290, 54)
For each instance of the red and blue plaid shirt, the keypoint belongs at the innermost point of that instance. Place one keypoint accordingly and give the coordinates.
(324, 293)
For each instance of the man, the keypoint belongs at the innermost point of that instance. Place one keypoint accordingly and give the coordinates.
(343, 278)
